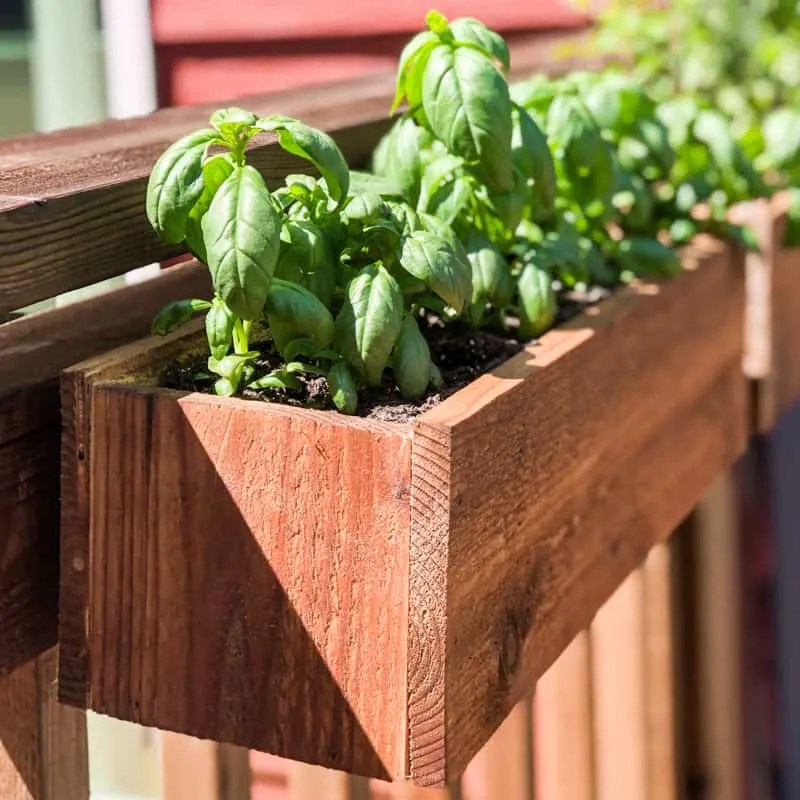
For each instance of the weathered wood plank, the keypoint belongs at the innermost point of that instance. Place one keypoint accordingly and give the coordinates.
(263, 608)
(33, 350)
(43, 752)
(594, 503)
(563, 733)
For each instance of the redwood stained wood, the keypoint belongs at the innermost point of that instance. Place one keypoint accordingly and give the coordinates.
(226, 527)
(43, 753)
(595, 442)
(33, 350)
(289, 583)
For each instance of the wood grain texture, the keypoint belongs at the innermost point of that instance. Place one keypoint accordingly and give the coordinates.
(33, 349)
(620, 694)
(503, 766)
(614, 424)
(264, 636)
(563, 731)
(592, 421)
(43, 754)
(660, 657)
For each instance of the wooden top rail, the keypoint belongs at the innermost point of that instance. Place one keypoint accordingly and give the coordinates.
(72, 202)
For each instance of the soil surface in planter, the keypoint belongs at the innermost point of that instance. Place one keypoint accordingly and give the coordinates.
(461, 352)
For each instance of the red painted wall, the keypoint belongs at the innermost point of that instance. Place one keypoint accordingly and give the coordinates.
(209, 51)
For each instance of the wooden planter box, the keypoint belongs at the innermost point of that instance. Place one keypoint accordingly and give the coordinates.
(376, 597)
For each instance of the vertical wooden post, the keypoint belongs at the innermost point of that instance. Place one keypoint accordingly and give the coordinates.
(717, 646)
(42, 743)
(661, 698)
(563, 767)
(502, 768)
(203, 770)
(618, 684)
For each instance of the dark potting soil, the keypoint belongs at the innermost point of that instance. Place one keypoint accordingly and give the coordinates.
(461, 352)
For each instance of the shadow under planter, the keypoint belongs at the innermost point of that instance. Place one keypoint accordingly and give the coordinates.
(377, 597)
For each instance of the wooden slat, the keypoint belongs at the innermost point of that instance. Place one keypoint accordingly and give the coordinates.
(650, 380)
(634, 686)
(43, 752)
(619, 692)
(563, 736)
(503, 768)
(189, 768)
(32, 351)
(281, 567)
(661, 698)
(718, 761)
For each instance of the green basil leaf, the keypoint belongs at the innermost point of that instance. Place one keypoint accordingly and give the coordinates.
(173, 315)
(315, 146)
(581, 149)
(411, 360)
(216, 170)
(402, 161)
(537, 309)
(490, 269)
(363, 208)
(645, 256)
(299, 310)
(411, 67)
(342, 387)
(714, 130)
(176, 183)
(532, 157)
(234, 125)
(241, 232)
(432, 260)
(369, 321)
(382, 184)
(231, 368)
(219, 328)
(306, 258)
(782, 137)
(467, 29)
(792, 235)
(467, 106)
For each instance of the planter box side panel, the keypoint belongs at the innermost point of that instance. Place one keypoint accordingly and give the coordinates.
(567, 465)
(249, 574)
